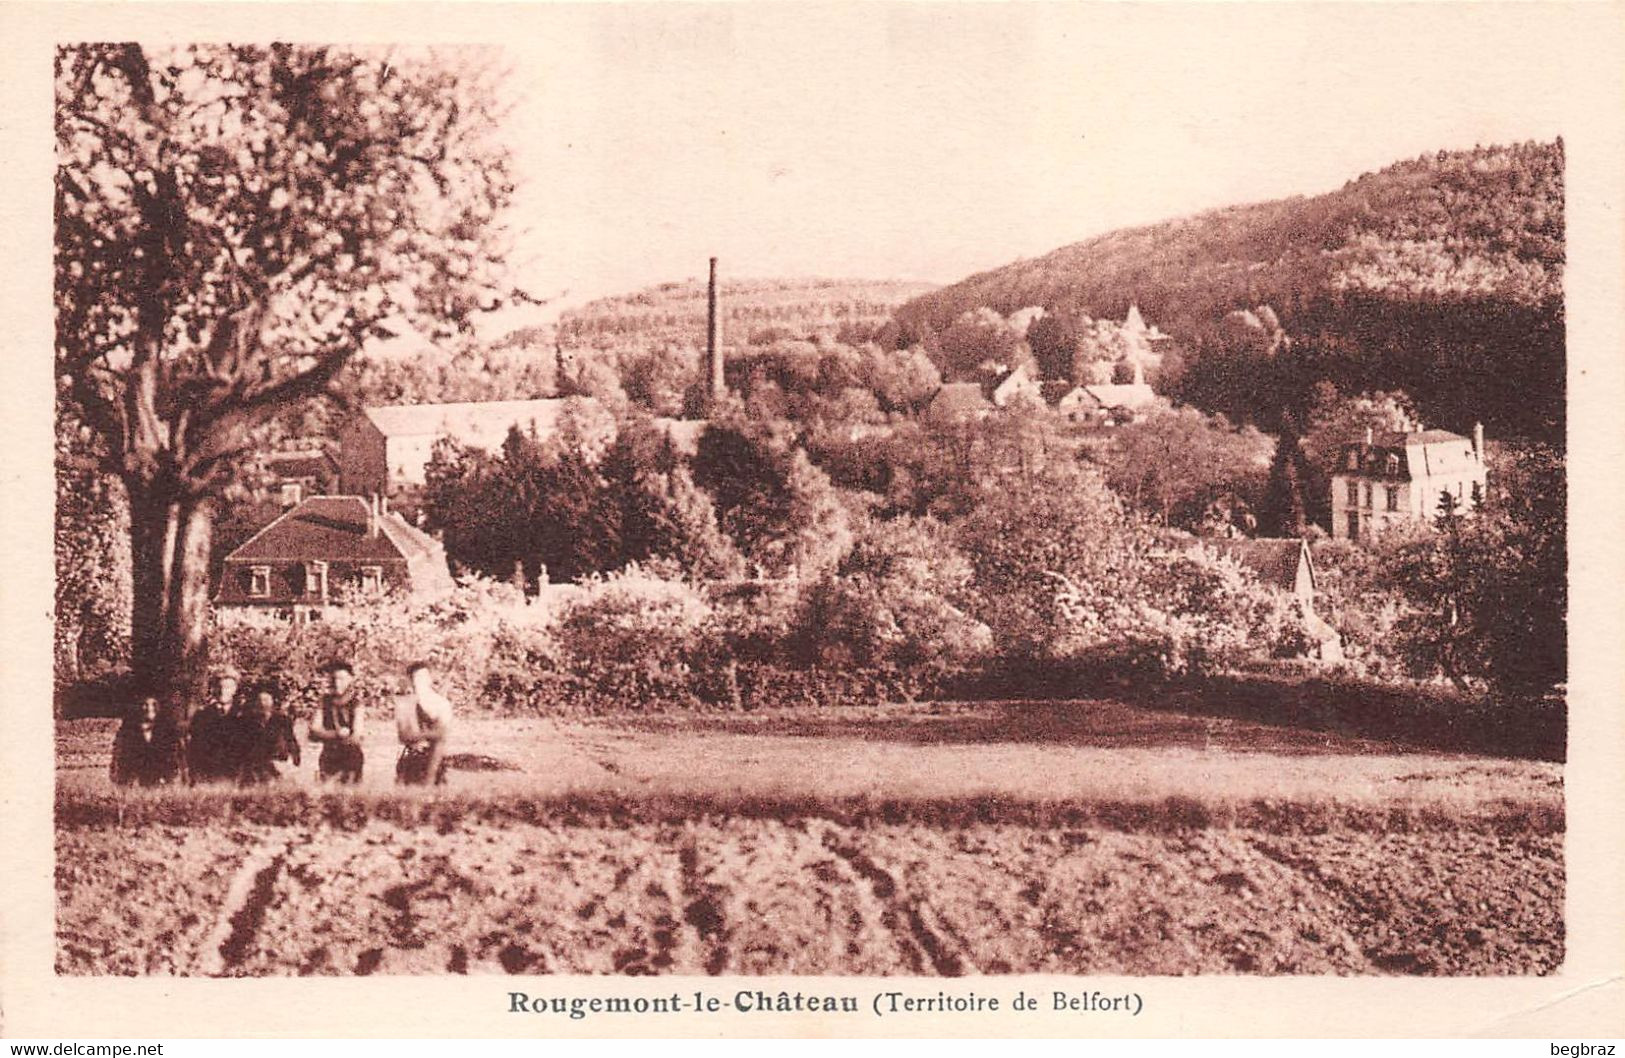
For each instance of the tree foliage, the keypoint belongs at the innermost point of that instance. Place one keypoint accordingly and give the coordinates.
(232, 224)
(564, 509)
(1186, 469)
(1490, 587)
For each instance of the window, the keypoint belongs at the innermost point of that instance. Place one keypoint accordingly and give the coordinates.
(1478, 494)
(1393, 463)
(1367, 495)
(1354, 525)
(316, 579)
(259, 581)
(1354, 459)
(1393, 497)
(372, 578)
(1354, 494)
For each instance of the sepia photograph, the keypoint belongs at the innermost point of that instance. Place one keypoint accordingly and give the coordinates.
(814, 491)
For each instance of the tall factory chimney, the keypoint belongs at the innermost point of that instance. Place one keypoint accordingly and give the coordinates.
(713, 341)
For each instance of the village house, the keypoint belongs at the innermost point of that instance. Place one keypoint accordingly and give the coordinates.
(958, 402)
(385, 450)
(299, 564)
(1013, 384)
(1399, 476)
(1145, 339)
(1284, 563)
(1117, 404)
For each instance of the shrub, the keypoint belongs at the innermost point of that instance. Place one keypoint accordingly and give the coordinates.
(1182, 614)
(891, 606)
(629, 637)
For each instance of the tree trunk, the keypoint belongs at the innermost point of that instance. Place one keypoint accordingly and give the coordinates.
(170, 538)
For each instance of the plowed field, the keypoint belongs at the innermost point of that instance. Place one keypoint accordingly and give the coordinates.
(1419, 865)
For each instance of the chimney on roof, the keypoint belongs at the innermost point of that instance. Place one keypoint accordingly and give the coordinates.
(713, 341)
(1369, 436)
(1478, 441)
(372, 514)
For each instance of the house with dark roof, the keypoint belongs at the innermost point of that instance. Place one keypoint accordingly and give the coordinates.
(1398, 476)
(301, 562)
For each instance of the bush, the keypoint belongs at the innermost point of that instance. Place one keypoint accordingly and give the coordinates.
(1187, 614)
(380, 636)
(891, 607)
(628, 639)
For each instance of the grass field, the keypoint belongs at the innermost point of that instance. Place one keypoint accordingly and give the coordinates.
(1076, 836)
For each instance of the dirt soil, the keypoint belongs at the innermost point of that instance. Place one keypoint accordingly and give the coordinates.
(805, 896)
(1102, 839)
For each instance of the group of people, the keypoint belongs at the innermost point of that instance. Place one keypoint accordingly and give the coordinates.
(247, 739)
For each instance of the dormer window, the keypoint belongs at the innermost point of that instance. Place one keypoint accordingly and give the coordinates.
(1393, 464)
(316, 579)
(259, 582)
(1354, 459)
(372, 578)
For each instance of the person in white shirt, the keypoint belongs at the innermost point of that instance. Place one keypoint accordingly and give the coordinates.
(423, 722)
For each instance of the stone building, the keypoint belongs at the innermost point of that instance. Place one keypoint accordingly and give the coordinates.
(1400, 476)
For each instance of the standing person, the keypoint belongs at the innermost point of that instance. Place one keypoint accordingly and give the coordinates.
(423, 722)
(208, 747)
(339, 726)
(144, 750)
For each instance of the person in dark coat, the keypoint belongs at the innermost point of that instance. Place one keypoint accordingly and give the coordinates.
(209, 749)
(338, 727)
(262, 736)
(146, 749)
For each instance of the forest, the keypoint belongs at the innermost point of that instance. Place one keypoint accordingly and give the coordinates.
(1440, 276)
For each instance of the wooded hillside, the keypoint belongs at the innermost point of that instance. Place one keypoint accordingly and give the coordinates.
(675, 312)
(1441, 276)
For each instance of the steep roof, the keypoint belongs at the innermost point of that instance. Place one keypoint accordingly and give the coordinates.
(481, 423)
(1272, 560)
(1422, 453)
(959, 399)
(333, 528)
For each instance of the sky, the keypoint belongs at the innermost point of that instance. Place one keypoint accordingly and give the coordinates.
(930, 141)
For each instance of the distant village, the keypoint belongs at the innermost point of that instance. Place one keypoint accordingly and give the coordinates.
(340, 525)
